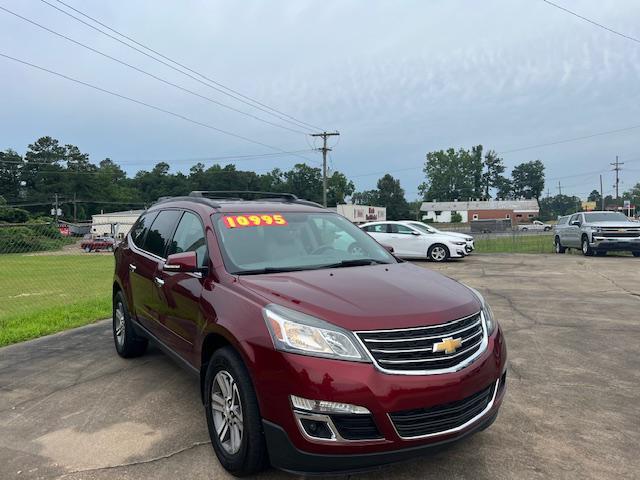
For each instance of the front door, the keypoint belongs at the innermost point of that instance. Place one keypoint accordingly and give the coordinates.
(406, 242)
(179, 310)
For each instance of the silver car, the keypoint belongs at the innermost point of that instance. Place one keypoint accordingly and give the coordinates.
(597, 233)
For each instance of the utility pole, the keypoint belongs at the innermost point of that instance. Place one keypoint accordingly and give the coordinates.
(559, 188)
(75, 208)
(617, 168)
(601, 195)
(324, 149)
(56, 209)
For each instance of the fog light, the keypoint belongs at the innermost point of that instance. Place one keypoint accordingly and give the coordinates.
(316, 428)
(322, 406)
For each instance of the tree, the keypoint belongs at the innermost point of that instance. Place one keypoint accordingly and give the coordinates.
(367, 197)
(305, 182)
(594, 196)
(10, 174)
(338, 187)
(492, 177)
(391, 195)
(528, 179)
(451, 175)
(554, 207)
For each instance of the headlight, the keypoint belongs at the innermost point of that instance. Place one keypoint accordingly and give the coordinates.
(296, 332)
(459, 243)
(490, 322)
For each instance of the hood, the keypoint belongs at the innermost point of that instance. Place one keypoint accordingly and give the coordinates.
(368, 298)
(614, 224)
(459, 235)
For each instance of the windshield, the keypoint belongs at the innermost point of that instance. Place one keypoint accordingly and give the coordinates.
(269, 243)
(424, 227)
(605, 217)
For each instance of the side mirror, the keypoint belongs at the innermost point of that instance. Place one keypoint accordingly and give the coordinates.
(388, 248)
(181, 262)
(576, 223)
(415, 233)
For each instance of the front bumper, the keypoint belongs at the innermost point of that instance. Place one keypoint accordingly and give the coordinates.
(615, 243)
(283, 454)
(382, 394)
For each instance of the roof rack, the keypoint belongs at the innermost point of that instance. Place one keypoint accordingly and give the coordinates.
(255, 195)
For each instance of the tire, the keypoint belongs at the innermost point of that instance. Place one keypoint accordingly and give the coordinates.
(87, 249)
(558, 245)
(636, 254)
(524, 229)
(438, 253)
(587, 251)
(128, 344)
(248, 455)
(547, 229)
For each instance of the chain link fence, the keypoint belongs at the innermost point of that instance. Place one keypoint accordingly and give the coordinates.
(51, 280)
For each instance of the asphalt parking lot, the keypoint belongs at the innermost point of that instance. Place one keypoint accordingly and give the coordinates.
(71, 408)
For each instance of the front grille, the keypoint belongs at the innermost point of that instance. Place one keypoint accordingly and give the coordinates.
(619, 232)
(412, 349)
(356, 427)
(426, 421)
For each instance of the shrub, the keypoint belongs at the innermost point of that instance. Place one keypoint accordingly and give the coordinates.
(34, 238)
(456, 217)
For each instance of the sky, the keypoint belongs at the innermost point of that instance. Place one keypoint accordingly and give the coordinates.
(397, 79)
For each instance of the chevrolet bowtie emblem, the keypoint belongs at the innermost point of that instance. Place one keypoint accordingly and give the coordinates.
(447, 345)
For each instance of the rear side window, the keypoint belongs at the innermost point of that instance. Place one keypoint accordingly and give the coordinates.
(161, 231)
(141, 227)
(189, 237)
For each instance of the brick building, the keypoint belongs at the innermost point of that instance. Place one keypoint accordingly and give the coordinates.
(518, 211)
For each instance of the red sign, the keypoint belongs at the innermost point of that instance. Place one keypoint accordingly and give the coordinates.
(64, 230)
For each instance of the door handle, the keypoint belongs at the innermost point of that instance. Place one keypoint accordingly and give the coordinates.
(132, 267)
(158, 281)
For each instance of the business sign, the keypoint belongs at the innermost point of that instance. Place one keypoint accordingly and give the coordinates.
(362, 213)
(589, 206)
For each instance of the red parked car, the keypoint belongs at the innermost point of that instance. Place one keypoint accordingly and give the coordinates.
(98, 243)
(316, 349)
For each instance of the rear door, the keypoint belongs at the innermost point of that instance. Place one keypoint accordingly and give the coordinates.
(179, 310)
(379, 231)
(149, 259)
(138, 265)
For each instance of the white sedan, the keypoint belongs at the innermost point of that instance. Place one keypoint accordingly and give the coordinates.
(411, 242)
(470, 247)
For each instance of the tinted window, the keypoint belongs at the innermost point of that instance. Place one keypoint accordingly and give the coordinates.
(401, 229)
(189, 237)
(606, 217)
(574, 218)
(140, 228)
(161, 231)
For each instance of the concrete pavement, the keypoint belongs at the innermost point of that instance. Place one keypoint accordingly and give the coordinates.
(71, 408)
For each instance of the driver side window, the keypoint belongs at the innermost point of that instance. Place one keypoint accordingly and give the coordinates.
(401, 229)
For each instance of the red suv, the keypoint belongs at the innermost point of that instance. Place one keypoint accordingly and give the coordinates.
(317, 350)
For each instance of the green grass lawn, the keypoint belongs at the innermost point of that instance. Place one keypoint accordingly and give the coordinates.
(515, 244)
(44, 294)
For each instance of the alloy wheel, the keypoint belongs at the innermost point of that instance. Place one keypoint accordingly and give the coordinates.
(438, 253)
(226, 408)
(119, 324)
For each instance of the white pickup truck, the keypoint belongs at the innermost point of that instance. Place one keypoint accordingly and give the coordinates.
(536, 225)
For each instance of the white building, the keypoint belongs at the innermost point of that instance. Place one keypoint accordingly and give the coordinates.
(362, 213)
(114, 224)
(518, 211)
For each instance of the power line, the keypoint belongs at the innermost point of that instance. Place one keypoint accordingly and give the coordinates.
(148, 105)
(149, 74)
(599, 25)
(617, 168)
(209, 81)
(236, 158)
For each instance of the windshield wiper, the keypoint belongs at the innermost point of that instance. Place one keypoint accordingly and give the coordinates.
(259, 271)
(355, 262)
